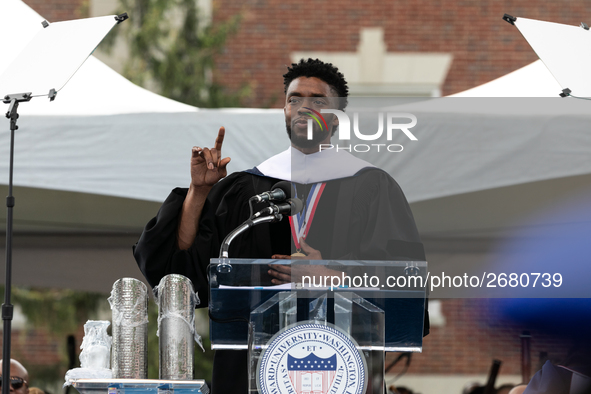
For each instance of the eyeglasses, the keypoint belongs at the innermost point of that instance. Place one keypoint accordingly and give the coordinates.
(15, 381)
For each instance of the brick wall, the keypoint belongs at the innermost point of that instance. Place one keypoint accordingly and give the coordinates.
(44, 354)
(475, 333)
(36, 347)
(483, 45)
(60, 10)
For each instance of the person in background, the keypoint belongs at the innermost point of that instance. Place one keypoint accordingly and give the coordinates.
(19, 378)
(505, 389)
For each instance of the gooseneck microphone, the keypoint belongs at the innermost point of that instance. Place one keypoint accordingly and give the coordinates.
(291, 206)
(274, 213)
(279, 192)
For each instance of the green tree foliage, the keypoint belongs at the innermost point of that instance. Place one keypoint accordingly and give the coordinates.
(172, 51)
(60, 311)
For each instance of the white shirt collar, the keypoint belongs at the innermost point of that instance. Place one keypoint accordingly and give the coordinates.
(295, 166)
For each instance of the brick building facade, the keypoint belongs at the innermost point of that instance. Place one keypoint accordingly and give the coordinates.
(484, 47)
(60, 10)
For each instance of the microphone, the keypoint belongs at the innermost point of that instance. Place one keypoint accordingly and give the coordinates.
(291, 207)
(273, 214)
(279, 192)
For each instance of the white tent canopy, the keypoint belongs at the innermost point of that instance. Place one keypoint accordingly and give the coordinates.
(533, 80)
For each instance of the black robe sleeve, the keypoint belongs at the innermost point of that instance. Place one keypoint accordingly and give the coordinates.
(157, 253)
(226, 207)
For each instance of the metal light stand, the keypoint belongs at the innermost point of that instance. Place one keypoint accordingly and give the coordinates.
(7, 308)
(14, 100)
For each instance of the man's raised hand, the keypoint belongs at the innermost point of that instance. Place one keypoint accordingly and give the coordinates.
(207, 168)
(207, 165)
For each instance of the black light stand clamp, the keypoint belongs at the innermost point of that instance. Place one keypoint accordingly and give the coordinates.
(509, 19)
(121, 17)
(14, 100)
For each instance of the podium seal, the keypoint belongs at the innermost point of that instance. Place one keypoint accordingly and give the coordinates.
(312, 358)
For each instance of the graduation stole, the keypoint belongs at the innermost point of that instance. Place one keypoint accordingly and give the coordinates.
(300, 223)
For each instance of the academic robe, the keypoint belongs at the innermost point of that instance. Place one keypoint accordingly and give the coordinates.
(364, 216)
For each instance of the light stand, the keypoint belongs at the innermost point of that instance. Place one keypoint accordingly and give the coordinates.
(68, 44)
(7, 308)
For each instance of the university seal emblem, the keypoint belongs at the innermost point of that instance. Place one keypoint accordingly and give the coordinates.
(311, 358)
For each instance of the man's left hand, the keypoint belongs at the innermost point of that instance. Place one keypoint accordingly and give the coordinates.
(311, 253)
(282, 273)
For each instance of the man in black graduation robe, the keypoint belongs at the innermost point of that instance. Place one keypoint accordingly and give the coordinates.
(362, 213)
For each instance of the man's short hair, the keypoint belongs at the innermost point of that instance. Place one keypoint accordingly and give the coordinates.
(318, 69)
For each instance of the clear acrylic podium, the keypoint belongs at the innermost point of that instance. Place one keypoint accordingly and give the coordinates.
(376, 304)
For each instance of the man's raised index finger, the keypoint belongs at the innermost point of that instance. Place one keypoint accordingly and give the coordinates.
(220, 139)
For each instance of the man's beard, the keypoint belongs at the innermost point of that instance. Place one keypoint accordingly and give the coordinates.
(303, 141)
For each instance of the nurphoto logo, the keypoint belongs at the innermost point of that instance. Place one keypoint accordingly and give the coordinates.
(394, 123)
